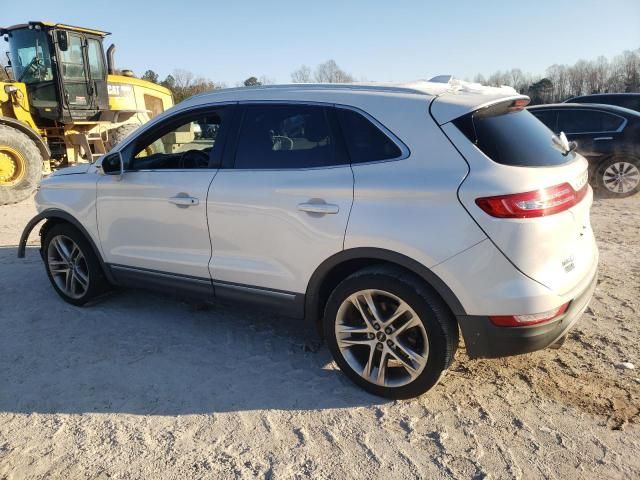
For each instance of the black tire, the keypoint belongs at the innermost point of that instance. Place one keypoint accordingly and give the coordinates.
(12, 139)
(605, 171)
(438, 321)
(119, 134)
(97, 282)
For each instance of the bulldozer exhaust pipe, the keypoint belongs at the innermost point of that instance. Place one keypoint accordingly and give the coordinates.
(111, 67)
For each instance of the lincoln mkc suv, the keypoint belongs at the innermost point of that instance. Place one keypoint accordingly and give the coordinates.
(387, 218)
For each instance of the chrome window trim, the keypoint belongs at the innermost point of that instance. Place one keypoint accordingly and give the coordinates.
(404, 150)
(167, 115)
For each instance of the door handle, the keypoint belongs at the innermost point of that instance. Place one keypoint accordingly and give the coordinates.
(602, 138)
(322, 208)
(184, 200)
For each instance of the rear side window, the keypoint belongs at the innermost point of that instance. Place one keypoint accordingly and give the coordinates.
(365, 142)
(587, 121)
(285, 136)
(514, 138)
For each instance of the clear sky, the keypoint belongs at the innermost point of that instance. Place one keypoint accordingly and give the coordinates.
(373, 40)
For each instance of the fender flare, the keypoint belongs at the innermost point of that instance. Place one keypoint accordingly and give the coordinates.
(29, 132)
(312, 297)
(55, 213)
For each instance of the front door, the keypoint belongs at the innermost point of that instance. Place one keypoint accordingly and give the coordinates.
(282, 206)
(153, 219)
(76, 91)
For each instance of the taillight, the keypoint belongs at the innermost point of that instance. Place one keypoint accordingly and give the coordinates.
(537, 203)
(524, 320)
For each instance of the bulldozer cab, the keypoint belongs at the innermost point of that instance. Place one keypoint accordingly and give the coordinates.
(63, 68)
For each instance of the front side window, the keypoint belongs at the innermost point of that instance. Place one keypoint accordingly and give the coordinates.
(180, 144)
(365, 142)
(285, 136)
(587, 121)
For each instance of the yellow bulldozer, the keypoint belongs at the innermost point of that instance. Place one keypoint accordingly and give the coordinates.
(64, 103)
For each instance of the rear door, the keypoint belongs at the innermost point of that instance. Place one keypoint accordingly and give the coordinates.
(511, 153)
(280, 206)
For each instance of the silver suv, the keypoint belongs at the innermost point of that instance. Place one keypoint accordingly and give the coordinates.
(388, 217)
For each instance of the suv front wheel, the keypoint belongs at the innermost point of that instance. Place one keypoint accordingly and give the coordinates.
(389, 333)
(72, 266)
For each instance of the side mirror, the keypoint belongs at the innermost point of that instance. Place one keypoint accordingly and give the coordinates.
(112, 164)
(63, 40)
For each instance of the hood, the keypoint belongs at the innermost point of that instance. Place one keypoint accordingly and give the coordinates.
(80, 168)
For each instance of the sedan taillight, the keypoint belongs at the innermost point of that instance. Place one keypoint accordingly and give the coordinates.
(537, 203)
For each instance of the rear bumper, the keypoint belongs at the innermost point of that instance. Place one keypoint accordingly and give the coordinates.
(485, 340)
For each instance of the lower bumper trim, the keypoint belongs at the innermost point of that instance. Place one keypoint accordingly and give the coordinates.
(484, 340)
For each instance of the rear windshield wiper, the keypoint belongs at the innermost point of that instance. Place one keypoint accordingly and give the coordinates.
(561, 142)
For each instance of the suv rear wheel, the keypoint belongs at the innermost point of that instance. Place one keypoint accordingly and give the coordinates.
(389, 333)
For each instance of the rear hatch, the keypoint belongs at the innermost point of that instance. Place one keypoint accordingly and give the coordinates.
(528, 192)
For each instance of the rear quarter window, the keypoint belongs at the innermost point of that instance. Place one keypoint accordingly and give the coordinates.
(515, 138)
(365, 141)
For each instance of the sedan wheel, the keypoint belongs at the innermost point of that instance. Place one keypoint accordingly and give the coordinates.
(620, 177)
(68, 266)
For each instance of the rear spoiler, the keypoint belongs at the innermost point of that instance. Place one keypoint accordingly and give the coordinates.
(452, 105)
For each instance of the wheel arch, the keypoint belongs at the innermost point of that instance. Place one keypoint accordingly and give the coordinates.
(337, 267)
(29, 132)
(54, 216)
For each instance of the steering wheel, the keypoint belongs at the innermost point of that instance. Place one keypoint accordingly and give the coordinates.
(33, 68)
(194, 159)
(280, 142)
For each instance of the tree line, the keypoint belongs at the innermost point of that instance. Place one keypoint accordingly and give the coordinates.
(184, 84)
(560, 82)
(585, 77)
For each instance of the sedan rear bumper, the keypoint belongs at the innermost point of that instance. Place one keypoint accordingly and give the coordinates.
(485, 340)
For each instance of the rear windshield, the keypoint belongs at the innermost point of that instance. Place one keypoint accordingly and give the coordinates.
(514, 138)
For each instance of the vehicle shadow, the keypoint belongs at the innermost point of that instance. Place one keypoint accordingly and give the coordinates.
(143, 353)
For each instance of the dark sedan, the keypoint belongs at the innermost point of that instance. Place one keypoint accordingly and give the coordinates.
(608, 136)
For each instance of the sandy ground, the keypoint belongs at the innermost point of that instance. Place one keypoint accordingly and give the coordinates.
(145, 386)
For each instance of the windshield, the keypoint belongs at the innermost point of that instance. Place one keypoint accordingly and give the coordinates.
(30, 57)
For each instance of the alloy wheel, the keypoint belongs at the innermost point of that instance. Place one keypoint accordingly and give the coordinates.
(621, 177)
(381, 338)
(68, 266)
